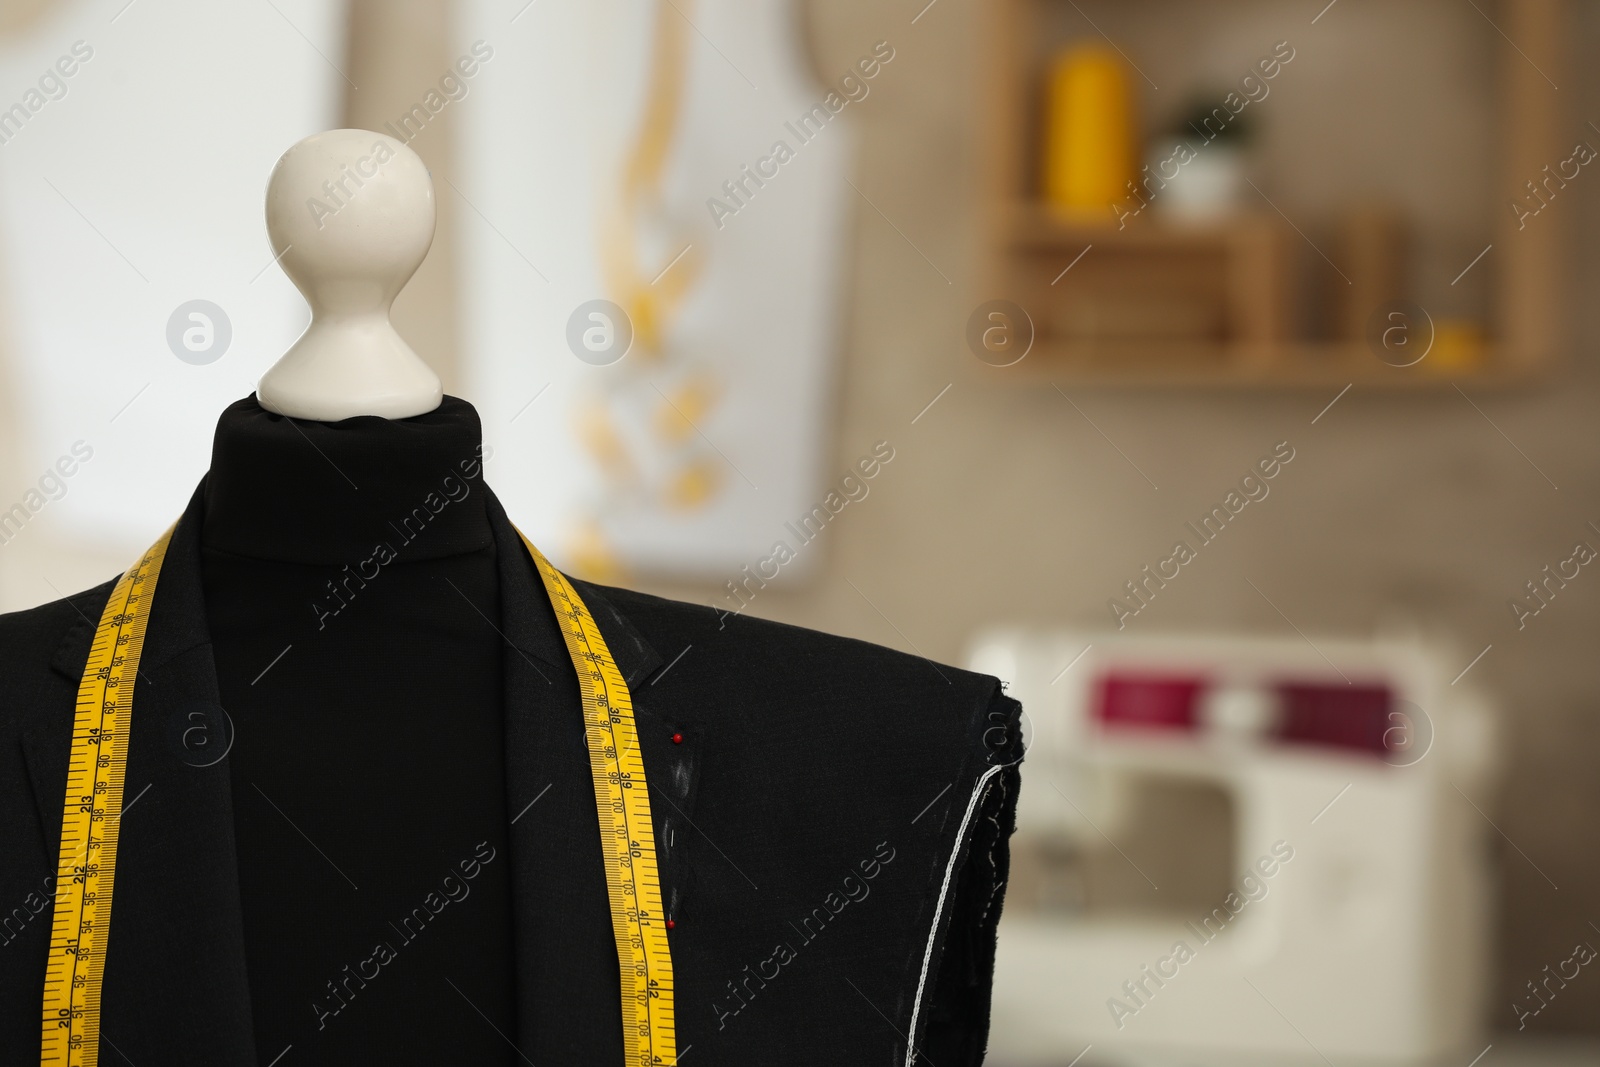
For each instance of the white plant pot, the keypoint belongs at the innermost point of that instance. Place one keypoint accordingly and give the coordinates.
(1207, 187)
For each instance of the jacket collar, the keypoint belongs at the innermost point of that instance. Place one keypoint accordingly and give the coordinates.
(183, 616)
(534, 634)
(180, 624)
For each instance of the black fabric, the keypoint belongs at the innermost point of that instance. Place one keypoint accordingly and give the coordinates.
(831, 830)
(350, 585)
(302, 491)
(805, 825)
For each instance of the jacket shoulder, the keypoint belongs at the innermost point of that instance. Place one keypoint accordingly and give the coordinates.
(783, 649)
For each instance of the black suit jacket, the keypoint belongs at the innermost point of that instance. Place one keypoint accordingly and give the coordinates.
(832, 835)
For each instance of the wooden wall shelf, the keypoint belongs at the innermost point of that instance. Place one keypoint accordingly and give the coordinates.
(1160, 303)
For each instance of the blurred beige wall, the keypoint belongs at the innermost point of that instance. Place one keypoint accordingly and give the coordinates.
(1007, 504)
(398, 48)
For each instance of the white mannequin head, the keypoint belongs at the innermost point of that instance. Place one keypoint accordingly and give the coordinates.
(351, 214)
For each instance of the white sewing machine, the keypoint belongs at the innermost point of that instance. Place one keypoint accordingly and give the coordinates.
(1295, 818)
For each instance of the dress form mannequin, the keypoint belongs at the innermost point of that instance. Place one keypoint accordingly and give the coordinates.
(351, 215)
(366, 823)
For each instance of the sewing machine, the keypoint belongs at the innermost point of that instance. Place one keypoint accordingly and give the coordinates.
(1243, 850)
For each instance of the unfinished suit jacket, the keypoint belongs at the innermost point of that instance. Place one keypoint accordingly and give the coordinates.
(832, 835)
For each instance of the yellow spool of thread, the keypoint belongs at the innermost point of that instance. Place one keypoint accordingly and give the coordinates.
(1458, 347)
(1090, 146)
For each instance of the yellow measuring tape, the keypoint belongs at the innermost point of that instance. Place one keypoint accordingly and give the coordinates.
(86, 870)
(81, 922)
(627, 836)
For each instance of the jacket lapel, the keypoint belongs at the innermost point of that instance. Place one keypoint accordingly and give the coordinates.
(175, 986)
(567, 984)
